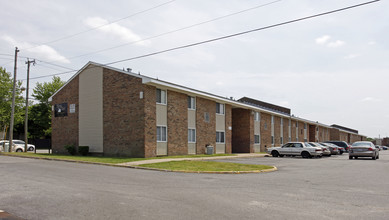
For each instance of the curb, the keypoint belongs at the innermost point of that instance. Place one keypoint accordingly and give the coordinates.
(148, 168)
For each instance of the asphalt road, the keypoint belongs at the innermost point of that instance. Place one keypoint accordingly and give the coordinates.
(326, 188)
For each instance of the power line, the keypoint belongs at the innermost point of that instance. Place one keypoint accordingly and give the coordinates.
(172, 31)
(100, 26)
(242, 33)
(159, 35)
(225, 37)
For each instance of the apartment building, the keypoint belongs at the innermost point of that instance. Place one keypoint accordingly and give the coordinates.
(117, 112)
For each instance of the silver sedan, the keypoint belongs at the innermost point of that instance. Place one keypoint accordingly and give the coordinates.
(364, 149)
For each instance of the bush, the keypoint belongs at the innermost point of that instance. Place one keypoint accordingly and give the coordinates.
(83, 150)
(71, 149)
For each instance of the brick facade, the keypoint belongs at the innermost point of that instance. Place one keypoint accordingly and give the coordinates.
(177, 123)
(206, 130)
(265, 131)
(228, 130)
(123, 115)
(277, 131)
(242, 130)
(65, 129)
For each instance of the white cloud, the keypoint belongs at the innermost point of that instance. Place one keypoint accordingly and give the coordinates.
(115, 29)
(43, 51)
(370, 99)
(352, 56)
(323, 39)
(336, 43)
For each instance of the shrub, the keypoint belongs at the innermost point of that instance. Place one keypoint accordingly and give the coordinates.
(83, 150)
(71, 149)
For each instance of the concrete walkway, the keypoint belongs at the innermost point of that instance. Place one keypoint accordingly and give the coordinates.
(136, 163)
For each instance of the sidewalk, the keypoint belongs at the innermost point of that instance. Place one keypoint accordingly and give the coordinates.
(136, 163)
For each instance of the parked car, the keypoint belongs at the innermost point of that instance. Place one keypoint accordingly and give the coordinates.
(341, 144)
(333, 148)
(15, 148)
(21, 143)
(325, 149)
(296, 149)
(364, 149)
(379, 147)
(384, 148)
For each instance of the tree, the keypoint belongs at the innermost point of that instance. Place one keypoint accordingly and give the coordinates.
(40, 114)
(6, 88)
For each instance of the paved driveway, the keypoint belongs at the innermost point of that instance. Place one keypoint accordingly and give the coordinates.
(327, 188)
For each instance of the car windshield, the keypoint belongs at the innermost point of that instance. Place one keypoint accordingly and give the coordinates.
(361, 144)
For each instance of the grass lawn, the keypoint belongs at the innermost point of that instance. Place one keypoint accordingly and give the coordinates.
(196, 166)
(110, 160)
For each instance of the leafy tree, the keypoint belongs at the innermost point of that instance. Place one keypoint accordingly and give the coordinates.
(40, 114)
(6, 88)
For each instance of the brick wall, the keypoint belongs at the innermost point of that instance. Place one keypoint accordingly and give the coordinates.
(123, 114)
(301, 131)
(286, 130)
(150, 126)
(334, 134)
(265, 131)
(65, 129)
(177, 123)
(206, 131)
(228, 131)
(242, 130)
(277, 131)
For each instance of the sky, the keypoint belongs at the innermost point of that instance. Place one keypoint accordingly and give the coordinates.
(332, 69)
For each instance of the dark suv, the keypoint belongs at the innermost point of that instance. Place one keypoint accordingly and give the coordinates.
(341, 144)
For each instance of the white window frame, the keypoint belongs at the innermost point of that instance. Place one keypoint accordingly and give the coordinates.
(218, 136)
(221, 108)
(161, 135)
(259, 139)
(190, 140)
(163, 98)
(192, 102)
(257, 116)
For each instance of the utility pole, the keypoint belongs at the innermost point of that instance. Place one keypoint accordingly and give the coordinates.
(11, 129)
(26, 118)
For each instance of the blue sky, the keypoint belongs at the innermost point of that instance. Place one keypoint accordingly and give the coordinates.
(332, 69)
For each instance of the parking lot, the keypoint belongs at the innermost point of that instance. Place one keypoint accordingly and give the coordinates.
(319, 188)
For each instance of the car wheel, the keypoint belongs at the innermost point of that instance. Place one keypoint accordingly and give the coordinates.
(350, 157)
(19, 150)
(30, 148)
(305, 154)
(275, 153)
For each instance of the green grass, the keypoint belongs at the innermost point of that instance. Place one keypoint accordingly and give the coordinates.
(110, 160)
(202, 166)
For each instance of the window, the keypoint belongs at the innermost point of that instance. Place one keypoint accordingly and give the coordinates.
(206, 117)
(161, 134)
(256, 139)
(256, 116)
(220, 137)
(317, 128)
(219, 108)
(272, 119)
(305, 125)
(265, 126)
(191, 135)
(272, 140)
(282, 121)
(191, 102)
(161, 96)
(297, 124)
(282, 140)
